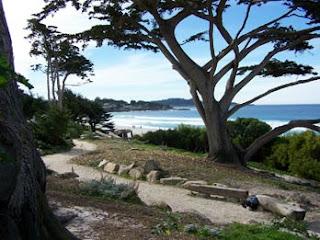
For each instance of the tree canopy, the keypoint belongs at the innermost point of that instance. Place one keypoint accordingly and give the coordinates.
(152, 25)
(62, 56)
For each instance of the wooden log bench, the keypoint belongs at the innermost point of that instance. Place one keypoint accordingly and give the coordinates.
(219, 190)
(280, 208)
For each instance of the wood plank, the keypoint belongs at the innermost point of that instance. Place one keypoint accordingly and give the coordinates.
(240, 194)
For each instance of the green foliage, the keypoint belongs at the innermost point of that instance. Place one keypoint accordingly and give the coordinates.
(255, 232)
(80, 107)
(244, 131)
(298, 154)
(168, 225)
(6, 73)
(74, 130)
(202, 232)
(107, 188)
(50, 129)
(32, 106)
(183, 137)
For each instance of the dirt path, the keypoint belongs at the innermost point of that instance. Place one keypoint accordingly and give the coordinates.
(218, 212)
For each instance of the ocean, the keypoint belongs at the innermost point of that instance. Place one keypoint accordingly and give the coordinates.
(274, 115)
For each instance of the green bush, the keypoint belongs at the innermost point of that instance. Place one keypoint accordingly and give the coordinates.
(74, 130)
(183, 137)
(244, 131)
(50, 129)
(107, 188)
(299, 154)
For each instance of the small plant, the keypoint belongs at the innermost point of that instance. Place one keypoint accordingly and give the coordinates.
(107, 188)
(202, 232)
(168, 225)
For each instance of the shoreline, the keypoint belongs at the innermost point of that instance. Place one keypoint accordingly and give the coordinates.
(137, 130)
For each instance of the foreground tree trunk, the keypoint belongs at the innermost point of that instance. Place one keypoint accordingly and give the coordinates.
(24, 211)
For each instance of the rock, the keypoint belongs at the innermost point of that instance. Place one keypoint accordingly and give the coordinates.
(235, 193)
(199, 182)
(124, 169)
(173, 180)
(111, 167)
(154, 176)
(102, 163)
(280, 208)
(151, 165)
(136, 173)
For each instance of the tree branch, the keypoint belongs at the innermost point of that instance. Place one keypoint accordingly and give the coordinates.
(244, 37)
(197, 102)
(238, 106)
(244, 21)
(227, 98)
(259, 142)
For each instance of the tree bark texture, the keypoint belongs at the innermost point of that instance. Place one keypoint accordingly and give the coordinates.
(24, 211)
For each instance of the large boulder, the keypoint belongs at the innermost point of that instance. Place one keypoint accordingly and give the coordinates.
(124, 169)
(136, 173)
(111, 167)
(154, 176)
(173, 180)
(151, 165)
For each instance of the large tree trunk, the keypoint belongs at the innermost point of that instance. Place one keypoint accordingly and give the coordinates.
(221, 149)
(24, 211)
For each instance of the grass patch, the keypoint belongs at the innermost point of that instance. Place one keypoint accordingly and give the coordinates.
(193, 166)
(255, 232)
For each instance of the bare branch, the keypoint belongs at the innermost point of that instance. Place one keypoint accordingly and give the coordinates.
(245, 21)
(259, 142)
(211, 42)
(238, 106)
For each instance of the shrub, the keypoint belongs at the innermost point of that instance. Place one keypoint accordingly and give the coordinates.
(244, 131)
(74, 130)
(107, 188)
(298, 154)
(50, 129)
(183, 137)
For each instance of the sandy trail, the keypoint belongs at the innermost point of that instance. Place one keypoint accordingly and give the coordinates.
(218, 212)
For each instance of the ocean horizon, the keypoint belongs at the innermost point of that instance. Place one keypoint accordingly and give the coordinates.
(274, 115)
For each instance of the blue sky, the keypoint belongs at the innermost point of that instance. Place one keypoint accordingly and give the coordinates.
(142, 75)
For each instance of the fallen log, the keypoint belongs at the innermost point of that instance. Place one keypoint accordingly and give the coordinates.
(280, 208)
(216, 190)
